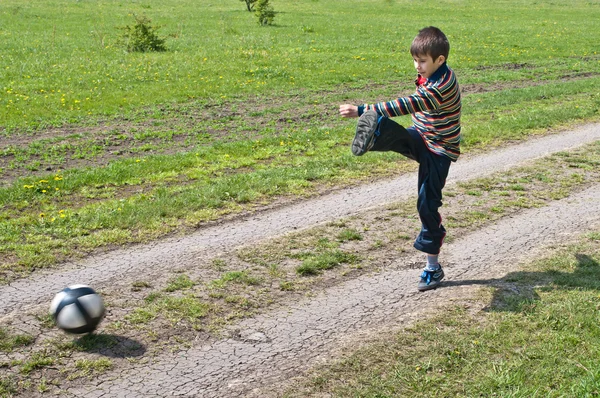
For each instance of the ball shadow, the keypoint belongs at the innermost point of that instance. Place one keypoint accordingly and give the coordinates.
(110, 345)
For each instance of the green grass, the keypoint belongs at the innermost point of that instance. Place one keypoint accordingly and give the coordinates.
(36, 361)
(10, 342)
(538, 335)
(171, 309)
(63, 63)
(8, 386)
(179, 283)
(88, 368)
(349, 234)
(315, 263)
(235, 277)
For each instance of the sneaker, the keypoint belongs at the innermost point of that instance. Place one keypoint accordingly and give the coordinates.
(365, 133)
(430, 279)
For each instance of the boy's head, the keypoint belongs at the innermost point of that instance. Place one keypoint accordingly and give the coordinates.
(430, 50)
(430, 41)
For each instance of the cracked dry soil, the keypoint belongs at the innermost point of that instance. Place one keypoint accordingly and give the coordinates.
(257, 357)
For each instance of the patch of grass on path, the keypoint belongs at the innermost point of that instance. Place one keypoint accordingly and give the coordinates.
(539, 335)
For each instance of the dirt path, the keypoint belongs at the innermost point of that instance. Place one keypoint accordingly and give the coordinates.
(266, 350)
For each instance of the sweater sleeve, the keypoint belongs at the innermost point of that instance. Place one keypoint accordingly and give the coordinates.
(426, 99)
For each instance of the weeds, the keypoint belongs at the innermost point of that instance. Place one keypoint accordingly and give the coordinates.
(179, 283)
(316, 263)
(9, 343)
(88, 368)
(238, 277)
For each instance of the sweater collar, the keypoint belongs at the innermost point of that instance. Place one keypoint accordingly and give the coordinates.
(441, 71)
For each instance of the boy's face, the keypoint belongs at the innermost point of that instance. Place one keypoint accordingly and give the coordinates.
(426, 65)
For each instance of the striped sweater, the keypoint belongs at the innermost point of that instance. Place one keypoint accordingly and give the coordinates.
(435, 110)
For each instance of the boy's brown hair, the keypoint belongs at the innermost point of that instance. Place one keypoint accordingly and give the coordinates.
(430, 41)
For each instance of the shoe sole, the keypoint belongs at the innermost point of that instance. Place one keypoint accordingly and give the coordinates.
(365, 130)
(431, 286)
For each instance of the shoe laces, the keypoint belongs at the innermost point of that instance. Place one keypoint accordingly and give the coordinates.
(427, 275)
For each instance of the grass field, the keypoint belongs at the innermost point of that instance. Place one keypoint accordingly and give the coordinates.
(102, 148)
(61, 61)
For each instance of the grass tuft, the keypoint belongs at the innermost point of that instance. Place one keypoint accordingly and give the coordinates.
(316, 263)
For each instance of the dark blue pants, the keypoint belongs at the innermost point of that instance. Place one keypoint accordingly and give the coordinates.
(433, 171)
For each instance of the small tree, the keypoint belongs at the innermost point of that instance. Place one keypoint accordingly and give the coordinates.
(264, 12)
(142, 37)
(249, 4)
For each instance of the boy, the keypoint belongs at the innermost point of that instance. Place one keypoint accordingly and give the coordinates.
(433, 140)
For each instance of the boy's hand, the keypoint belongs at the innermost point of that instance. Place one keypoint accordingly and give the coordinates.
(348, 110)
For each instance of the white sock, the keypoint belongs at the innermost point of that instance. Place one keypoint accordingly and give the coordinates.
(432, 263)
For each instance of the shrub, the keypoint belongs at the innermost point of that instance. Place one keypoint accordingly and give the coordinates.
(264, 12)
(142, 37)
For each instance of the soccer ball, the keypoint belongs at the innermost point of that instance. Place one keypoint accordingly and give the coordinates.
(77, 309)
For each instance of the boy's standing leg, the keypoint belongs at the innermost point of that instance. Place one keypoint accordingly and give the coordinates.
(433, 171)
(376, 133)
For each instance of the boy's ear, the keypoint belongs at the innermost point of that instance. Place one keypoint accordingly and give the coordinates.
(440, 60)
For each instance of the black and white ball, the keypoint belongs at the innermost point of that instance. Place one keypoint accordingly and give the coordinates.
(77, 309)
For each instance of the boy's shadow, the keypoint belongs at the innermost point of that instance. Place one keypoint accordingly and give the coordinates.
(110, 345)
(516, 290)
